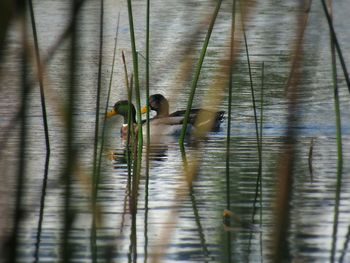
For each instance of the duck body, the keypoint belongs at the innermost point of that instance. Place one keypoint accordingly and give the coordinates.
(159, 126)
(160, 105)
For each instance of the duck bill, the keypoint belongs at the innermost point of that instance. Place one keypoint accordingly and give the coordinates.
(144, 109)
(111, 113)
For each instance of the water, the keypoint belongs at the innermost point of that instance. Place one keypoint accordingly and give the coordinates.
(181, 224)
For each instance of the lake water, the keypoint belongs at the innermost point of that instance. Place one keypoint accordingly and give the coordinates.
(174, 222)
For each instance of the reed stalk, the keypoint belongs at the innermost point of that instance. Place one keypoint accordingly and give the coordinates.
(18, 210)
(251, 87)
(46, 130)
(68, 214)
(197, 218)
(338, 138)
(130, 125)
(280, 247)
(147, 75)
(345, 246)
(40, 76)
(228, 132)
(42, 206)
(136, 75)
(96, 172)
(108, 97)
(130, 132)
(98, 101)
(6, 15)
(197, 72)
(336, 44)
(261, 152)
(147, 129)
(137, 164)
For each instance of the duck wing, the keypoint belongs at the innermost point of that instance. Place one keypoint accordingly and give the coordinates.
(219, 115)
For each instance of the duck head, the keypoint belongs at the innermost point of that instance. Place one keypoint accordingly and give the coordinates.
(159, 104)
(121, 108)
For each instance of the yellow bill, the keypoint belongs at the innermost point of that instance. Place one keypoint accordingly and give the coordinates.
(111, 113)
(144, 109)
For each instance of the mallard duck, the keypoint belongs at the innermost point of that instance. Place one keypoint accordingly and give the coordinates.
(121, 108)
(160, 105)
(158, 126)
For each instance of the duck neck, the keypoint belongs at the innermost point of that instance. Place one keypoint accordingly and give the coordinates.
(133, 116)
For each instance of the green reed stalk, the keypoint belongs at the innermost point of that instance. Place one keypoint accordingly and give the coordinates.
(197, 72)
(258, 179)
(197, 218)
(46, 130)
(40, 74)
(67, 248)
(108, 98)
(96, 172)
(261, 151)
(98, 101)
(136, 76)
(130, 130)
(339, 142)
(336, 44)
(345, 246)
(42, 206)
(18, 211)
(137, 172)
(147, 71)
(147, 129)
(229, 110)
(130, 125)
(251, 85)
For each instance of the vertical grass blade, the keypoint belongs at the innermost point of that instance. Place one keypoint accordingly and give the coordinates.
(46, 129)
(108, 98)
(228, 132)
(197, 72)
(280, 246)
(40, 74)
(251, 85)
(18, 211)
(98, 100)
(147, 130)
(338, 138)
(68, 214)
(261, 154)
(96, 172)
(6, 14)
(130, 134)
(147, 71)
(336, 44)
(345, 246)
(135, 67)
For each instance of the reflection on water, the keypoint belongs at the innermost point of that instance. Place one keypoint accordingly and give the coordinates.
(183, 223)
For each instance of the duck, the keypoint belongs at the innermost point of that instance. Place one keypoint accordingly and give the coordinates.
(158, 126)
(159, 104)
(121, 108)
